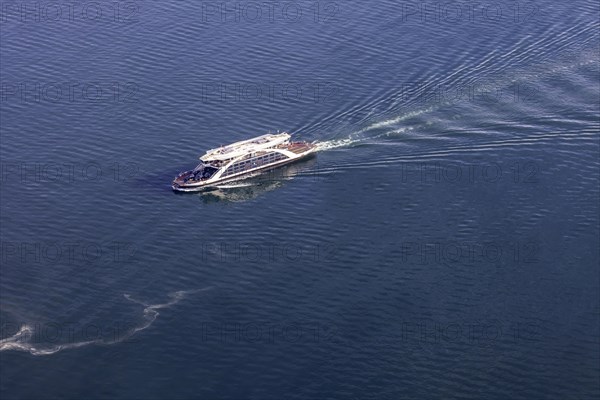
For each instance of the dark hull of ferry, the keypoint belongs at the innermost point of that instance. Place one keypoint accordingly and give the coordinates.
(179, 186)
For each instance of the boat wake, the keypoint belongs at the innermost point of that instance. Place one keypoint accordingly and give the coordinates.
(392, 127)
(334, 144)
(24, 340)
(449, 153)
(465, 96)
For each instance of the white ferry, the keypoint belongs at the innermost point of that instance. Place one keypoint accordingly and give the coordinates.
(241, 160)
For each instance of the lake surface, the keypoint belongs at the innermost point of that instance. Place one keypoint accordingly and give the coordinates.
(443, 243)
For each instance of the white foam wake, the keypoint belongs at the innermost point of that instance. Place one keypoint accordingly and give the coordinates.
(396, 120)
(150, 312)
(333, 144)
(358, 137)
(22, 340)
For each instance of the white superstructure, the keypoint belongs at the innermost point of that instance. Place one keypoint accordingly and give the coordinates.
(246, 146)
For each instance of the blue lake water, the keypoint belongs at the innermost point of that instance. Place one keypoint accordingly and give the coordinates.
(443, 243)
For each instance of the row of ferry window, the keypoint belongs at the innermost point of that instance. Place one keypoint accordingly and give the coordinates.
(253, 163)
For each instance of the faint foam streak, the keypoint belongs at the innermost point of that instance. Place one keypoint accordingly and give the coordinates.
(21, 341)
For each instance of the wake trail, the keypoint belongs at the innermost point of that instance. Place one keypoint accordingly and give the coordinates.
(22, 340)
